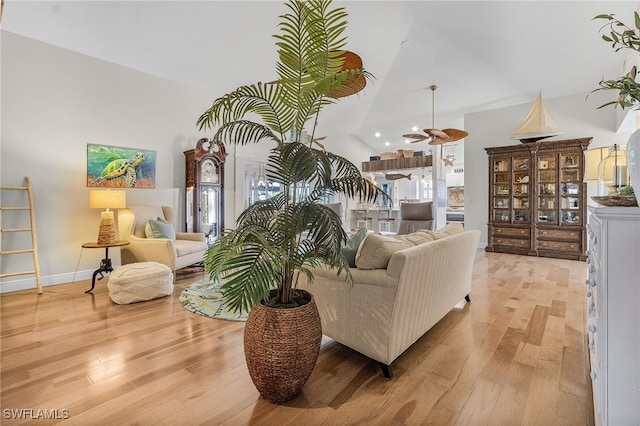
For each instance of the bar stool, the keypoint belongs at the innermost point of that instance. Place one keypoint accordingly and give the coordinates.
(362, 219)
(385, 220)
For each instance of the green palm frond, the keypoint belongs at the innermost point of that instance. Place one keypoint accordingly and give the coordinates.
(261, 213)
(261, 99)
(245, 132)
(288, 233)
(622, 36)
(248, 270)
(278, 239)
(310, 45)
(296, 162)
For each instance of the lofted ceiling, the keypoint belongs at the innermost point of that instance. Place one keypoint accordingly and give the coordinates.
(481, 54)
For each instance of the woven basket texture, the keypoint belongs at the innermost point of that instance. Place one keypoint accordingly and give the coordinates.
(615, 201)
(281, 347)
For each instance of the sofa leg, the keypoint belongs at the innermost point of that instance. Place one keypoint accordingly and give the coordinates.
(467, 298)
(386, 371)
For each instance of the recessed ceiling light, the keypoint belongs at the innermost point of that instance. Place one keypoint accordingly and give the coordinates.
(407, 141)
(414, 128)
(376, 134)
(387, 143)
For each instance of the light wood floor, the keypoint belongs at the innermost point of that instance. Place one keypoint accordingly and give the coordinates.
(515, 355)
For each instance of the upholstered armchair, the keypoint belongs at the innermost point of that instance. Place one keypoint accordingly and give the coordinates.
(415, 216)
(175, 249)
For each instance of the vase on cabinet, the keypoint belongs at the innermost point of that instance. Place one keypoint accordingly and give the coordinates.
(633, 161)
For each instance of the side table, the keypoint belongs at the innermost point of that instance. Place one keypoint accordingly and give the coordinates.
(105, 264)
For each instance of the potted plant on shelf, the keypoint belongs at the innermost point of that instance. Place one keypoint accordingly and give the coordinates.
(622, 36)
(278, 239)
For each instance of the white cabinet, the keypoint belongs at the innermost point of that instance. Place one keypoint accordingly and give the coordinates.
(614, 313)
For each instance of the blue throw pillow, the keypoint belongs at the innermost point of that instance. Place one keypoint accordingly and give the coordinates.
(159, 228)
(351, 248)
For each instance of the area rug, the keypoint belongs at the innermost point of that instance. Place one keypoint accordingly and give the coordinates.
(204, 298)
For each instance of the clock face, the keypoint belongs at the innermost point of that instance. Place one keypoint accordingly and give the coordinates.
(209, 172)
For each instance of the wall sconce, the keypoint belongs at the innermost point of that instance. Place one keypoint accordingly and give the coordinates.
(107, 199)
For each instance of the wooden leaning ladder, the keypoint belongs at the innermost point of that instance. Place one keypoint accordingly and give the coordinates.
(32, 229)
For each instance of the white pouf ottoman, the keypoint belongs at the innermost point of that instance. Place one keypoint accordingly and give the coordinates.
(137, 282)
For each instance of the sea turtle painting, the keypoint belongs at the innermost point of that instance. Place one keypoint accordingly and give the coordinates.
(122, 169)
(118, 167)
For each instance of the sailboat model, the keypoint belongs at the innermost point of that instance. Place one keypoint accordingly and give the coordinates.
(538, 124)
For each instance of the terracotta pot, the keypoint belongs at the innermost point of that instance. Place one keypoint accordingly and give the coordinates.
(281, 347)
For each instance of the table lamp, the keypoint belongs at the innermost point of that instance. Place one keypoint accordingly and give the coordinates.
(107, 199)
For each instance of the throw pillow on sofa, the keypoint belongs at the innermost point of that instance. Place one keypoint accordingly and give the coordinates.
(159, 228)
(446, 231)
(350, 249)
(376, 251)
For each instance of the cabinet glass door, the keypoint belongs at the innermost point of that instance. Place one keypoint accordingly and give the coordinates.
(570, 189)
(501, 190)
(521, 181)
(210, 212)
(547, 170)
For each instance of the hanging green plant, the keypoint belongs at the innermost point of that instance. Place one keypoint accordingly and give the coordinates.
(622, 36)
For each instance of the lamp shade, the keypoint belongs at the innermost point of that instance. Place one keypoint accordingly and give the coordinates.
(592, 158)
(107, 199)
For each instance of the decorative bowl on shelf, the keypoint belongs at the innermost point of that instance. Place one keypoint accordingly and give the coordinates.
(615, 201)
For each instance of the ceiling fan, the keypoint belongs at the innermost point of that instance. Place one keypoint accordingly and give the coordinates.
(433, 135)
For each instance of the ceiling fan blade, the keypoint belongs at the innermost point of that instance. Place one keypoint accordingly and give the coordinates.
(416, 136)
(455, 134)
(437, 133)
(352, 84)
(438, 141)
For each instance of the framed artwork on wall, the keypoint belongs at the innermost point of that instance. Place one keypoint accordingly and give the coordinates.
(117, 167)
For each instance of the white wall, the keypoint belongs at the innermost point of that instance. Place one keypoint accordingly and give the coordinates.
(55, 102)
(578, 117)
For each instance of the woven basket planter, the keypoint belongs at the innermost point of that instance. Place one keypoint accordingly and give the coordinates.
(281, 347)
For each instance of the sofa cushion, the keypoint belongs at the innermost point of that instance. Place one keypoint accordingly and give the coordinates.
(416, 238)
(159, 228)
(446, 231)
(376, 250)
(350, 249)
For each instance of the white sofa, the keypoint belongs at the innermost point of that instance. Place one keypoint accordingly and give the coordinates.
(387, 310)
(186, 249)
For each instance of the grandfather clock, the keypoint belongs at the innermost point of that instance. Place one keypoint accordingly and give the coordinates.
(205, 188)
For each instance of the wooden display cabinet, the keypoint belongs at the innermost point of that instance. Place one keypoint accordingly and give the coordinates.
(204, 188)
(537, 200)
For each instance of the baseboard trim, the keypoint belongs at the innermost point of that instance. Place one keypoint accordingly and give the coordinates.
(8, 286)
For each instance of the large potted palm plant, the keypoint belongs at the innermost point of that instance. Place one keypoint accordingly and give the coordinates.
(276, 240)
